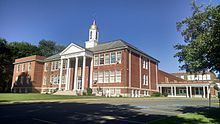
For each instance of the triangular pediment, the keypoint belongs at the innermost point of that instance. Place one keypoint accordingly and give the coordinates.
(72, 48)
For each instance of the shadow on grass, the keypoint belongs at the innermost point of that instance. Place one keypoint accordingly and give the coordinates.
(56, 112)
(193, 115)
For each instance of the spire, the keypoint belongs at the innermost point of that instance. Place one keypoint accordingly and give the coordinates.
(94, 26)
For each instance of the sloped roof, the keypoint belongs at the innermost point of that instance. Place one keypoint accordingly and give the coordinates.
(53, 57)
(116, 44)
(110, 45)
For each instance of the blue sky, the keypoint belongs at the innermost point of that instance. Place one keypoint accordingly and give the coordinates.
(150, 25)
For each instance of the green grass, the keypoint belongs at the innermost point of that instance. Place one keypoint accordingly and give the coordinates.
(211, 116)
(12, 97)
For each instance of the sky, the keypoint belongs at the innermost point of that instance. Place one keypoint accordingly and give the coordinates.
(150, 25)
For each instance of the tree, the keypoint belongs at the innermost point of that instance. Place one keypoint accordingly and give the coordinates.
(48, 47)
(23, 49)
(5, 77)
(201, 33)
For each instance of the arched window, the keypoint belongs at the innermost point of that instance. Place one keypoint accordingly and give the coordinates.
(90, 35)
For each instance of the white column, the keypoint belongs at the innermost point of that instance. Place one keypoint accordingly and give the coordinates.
(174, 90)
(83, 72)
(91, 73)
(187, 92)
(160, 89)
(208, 91)
(190, 91)
(171, 90)
(61, 72)
(67, 74)
(75, 74)
(203, 91)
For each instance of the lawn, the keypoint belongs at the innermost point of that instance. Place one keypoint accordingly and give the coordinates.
(13, 97)
(211, 116)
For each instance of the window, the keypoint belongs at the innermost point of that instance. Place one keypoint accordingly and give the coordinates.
(106, 80)
(46, 67)
(145, 64)
(90, 34)
(107, 58)
(101, 59)
(29, 66)
(18, 68)
(64, 64)
(166, 80)
(118, 58)
(118, 76)
(200, 77)
(208, 77)
(95, 76)
(204, 77)
(182, 76)
(51, 79)
(100, 79)
(96, 60)
(145, 79)
(59, 64)
(112, 57)
(45, 80)
(112, 76)
(56, 64)
(63, 79)
(23, 67)
(196, 77)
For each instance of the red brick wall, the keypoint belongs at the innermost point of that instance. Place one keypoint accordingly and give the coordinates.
(153, 75)
(135, 70)
(171, 78)
(113, 67)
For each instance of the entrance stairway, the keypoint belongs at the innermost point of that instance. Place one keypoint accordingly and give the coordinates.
(69, 92)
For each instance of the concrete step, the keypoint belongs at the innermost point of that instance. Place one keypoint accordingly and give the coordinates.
(69, 92)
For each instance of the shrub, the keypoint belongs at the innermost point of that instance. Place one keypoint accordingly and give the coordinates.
(89, 91)
(156, 94)
(165, 94)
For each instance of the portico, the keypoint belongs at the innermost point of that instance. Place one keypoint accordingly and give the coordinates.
(79, 61)
(185, 90)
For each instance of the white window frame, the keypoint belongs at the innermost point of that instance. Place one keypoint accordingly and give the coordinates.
(96, 60)
(117, 57)
(23, 67)
(18, 67)
(29, 66)
(100, 76)
(101, 56)
(106, 76)
(111, 58)
(107, 60)
(112, 76)
(118, 76)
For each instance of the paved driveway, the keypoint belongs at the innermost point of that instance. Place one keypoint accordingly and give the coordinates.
(103, 110)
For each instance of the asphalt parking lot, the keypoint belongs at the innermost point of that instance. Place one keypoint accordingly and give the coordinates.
(103, 110)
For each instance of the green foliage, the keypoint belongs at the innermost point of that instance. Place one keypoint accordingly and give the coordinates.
(13, 50)
(165, 94)
(49, 48)
(201, 33)
(89, 91)
(156, 94)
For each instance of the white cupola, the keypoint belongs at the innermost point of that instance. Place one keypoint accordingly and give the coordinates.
(93, 36)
